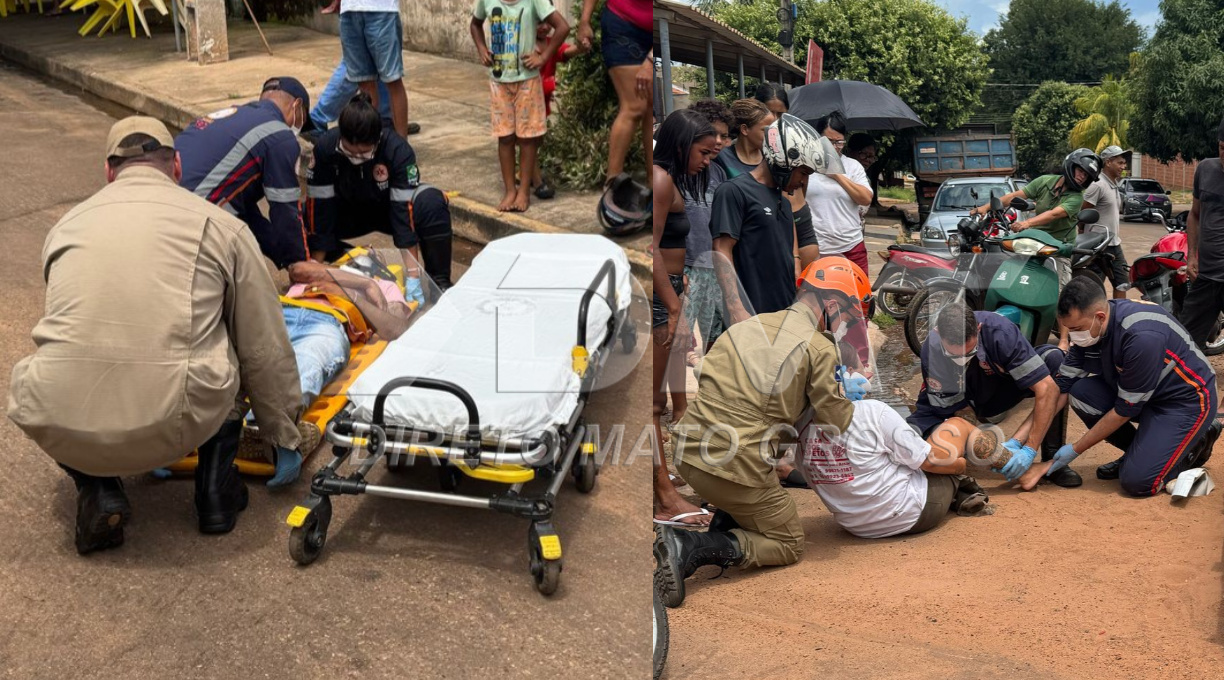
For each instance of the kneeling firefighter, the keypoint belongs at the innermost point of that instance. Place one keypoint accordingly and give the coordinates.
(362, 177)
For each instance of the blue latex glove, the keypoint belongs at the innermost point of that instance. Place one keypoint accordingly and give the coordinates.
(855, 385)
(1013, 445)
(1061, 459)
(413, 290)
(1019, 464)
(288, 467)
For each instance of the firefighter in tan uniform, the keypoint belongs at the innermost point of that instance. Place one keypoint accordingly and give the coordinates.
(159, 306)
(756, 381)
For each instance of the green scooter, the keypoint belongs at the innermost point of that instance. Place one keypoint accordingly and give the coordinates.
(1023, 287)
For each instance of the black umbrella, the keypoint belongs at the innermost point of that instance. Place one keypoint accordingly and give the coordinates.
(865, 106)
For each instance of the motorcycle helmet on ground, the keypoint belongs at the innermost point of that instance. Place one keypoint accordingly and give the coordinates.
(625, 207)
(1085, 160)
(790, 144)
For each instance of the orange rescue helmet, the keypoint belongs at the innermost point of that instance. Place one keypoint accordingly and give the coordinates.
(840, 275)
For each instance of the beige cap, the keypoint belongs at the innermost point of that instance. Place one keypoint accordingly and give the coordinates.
(137, 125)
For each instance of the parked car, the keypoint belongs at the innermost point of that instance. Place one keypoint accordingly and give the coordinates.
(1139, 194)
(955, 198)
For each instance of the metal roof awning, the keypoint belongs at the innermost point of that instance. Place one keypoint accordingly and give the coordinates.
(684, 34)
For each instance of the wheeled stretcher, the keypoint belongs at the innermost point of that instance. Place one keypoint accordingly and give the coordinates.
(490, 383)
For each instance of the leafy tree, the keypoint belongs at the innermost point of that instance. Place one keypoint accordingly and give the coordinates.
(1068, 40)
(913, 48)
(1107, 111)
(1042, 126)
(1175, 87)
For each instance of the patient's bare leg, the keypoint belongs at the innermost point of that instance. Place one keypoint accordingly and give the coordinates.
(1030, 479)
(948, 441)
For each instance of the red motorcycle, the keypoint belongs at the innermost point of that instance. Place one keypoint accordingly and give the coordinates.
(907, 267)
(1161, 276)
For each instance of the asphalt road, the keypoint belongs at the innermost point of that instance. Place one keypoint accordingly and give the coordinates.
(403, 590)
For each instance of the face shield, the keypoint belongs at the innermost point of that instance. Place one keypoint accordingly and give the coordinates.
(845, 323)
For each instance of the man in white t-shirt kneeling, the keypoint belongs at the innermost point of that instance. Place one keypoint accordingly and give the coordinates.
(879, 478)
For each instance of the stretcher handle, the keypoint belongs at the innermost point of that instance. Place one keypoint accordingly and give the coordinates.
(471, 439)
(607, 270)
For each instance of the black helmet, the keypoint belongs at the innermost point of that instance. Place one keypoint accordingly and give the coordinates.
(1085, 160)
(625, 206)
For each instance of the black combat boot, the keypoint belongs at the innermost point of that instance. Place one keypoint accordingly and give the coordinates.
(220, 494)
(102, 510)
(1055, 437)
(1201, 452)
(1122, 438)
(679, 553)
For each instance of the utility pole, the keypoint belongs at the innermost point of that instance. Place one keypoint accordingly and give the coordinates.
(786, 33)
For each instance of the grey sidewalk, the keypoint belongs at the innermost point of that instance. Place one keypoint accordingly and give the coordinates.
(448, 97)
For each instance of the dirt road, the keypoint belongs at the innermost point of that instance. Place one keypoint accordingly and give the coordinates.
(404, 590)
(1058, 583)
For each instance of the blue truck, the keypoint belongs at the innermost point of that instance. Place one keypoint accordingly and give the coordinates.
(959, 154)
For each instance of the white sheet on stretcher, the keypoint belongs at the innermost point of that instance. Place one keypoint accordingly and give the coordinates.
(505, 334)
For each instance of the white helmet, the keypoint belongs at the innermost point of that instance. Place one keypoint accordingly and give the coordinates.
(791, 143)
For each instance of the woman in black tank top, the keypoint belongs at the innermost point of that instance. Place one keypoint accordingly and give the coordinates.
(686, 144)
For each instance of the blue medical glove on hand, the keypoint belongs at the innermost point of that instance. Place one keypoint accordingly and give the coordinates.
(854, 384)
(1019, 464)
(288, 467)
(1061, 459)
(1013, 445)
(413, 291)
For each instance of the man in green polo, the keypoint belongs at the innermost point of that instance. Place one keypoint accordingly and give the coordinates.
(1058, 198)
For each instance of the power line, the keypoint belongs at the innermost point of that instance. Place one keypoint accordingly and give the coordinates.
(1092, 83)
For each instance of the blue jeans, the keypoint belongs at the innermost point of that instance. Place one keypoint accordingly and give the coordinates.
(373, 44)
(622, 43)
(321, 346)
(340, 91)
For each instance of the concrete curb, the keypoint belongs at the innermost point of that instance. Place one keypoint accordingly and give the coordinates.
(472, 220)
(479, 223)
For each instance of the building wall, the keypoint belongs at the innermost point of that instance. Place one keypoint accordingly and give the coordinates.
(1175, 175)
(435, 26)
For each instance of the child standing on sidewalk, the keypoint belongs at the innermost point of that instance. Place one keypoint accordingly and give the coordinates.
(517, 91)
(548, 72)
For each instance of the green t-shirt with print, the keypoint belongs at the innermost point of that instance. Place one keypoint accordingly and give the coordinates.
(512, 32)
(1041, 191)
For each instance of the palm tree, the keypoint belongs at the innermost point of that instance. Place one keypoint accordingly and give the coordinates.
(1106, 109)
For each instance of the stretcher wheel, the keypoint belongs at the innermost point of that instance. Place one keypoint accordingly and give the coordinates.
(628, 338)
(448, 478)
(584, 473)
(545, 569)
(306, 541)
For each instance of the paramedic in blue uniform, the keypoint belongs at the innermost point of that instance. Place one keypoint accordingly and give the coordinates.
(237, 156)
(363, 177)
(982, 360)
(1139, 382)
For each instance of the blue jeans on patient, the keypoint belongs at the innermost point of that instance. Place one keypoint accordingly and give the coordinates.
(338, 92)
(321, 346)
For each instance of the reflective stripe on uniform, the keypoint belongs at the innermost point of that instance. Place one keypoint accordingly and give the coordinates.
(1137, 398)
(1176, 327)
(945, 401)
(325, 191)
(1079, 405)
(1069, 371)
(222, 170)
(282, 195)
(409, 195)
(1023, 370)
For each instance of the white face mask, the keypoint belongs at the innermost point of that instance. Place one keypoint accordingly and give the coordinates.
(961, 361)
(1083, 338)
(297, 129)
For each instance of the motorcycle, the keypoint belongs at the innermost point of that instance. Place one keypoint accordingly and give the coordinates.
(977, 240)
(907, 267)
(662, 636)
(1023, 289)
(1162, 278)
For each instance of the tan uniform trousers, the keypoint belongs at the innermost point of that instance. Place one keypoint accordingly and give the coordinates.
(771, 534)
